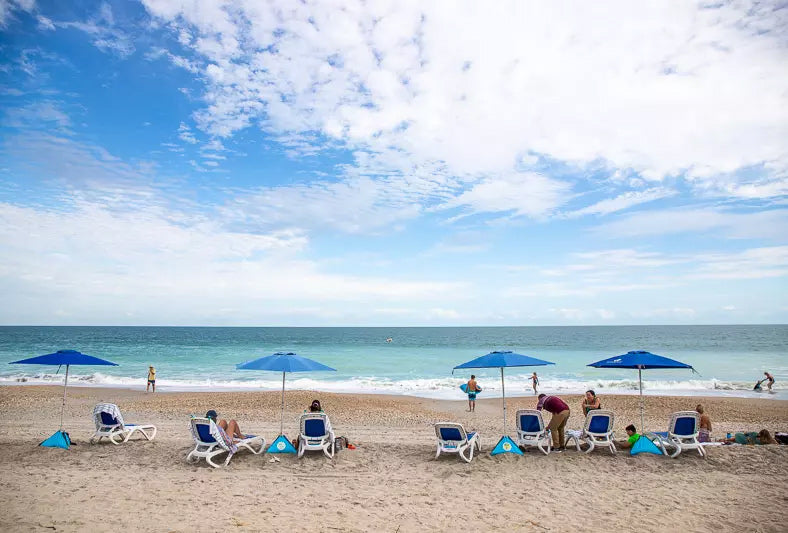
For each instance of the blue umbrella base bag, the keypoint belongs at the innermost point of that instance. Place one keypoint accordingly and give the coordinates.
(59, 440)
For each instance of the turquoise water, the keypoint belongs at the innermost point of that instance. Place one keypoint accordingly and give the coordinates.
(418, 361)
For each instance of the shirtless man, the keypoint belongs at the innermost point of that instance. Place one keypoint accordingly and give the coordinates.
(704, 433)
(471, 389)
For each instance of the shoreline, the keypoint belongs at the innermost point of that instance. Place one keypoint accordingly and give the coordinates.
(442, 394)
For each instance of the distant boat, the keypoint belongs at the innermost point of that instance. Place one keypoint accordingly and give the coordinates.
(389, 340)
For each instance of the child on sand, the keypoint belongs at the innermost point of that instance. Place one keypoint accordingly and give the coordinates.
(631, 440)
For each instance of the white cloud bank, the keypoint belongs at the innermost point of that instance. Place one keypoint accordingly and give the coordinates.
(473, 90)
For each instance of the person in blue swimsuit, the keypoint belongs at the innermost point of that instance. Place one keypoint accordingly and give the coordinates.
(471, 390)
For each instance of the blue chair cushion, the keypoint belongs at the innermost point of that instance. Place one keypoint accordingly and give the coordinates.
(314, 428)
(685, 426)
(108, 420)
(530, 424)
(599, 424)
(204, 431)
(451, 434)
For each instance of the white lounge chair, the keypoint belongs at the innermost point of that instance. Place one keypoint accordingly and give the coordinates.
(597, 431)
(211, 442)
(316, 434)
(682, 434)
(109, 424)
(531, 430)
(452, 438)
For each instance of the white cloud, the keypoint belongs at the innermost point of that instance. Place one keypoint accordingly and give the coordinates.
(99, 261)
(106, 34)
(624, 201)
(527, 194)
(7, 8)
(729, 223)
(185, 134)
(609, 83)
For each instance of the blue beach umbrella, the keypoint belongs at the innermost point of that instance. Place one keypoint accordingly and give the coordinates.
(62, 357)
(503, 360)
(283, 362)
(642, 361)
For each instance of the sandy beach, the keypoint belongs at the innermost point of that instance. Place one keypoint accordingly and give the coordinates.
(390, 482)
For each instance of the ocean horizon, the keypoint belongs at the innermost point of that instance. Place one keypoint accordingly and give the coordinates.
(418, 361)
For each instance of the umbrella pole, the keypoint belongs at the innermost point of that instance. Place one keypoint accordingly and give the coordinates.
(63, 407)
(282, 418)
(503, 393)
(640, 382)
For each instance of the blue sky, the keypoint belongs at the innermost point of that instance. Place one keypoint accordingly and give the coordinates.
(393, 163)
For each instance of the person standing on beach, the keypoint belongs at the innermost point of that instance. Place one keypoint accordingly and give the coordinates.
(560, 411)
(151, 379)
(769, 381)
(535, 380)
(471, 389)
(704, 433)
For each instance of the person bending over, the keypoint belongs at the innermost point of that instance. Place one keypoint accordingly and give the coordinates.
(633, 437)
(769, 381)
(560, 414)
(232, 428)
(590, 401)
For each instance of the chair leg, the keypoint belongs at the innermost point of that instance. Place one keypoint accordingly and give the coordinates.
(438, 452)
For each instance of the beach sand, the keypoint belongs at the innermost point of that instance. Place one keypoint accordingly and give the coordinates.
(391, 482)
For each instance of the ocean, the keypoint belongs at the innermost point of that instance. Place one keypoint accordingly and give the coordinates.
(417, 361)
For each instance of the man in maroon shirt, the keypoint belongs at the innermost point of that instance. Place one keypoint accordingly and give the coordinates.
(560, 412)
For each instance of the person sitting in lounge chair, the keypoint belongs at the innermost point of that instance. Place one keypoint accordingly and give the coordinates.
(232, 428)
(590, 402)
(633, 437)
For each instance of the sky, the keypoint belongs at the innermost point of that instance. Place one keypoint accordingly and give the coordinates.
(393, 163)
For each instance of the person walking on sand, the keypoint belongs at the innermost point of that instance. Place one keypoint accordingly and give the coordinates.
(471, 389)
(560, 411)
(151, 379)
(769, 381)
(535, 380)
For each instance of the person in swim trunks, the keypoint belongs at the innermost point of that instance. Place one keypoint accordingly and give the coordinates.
(471, 389)
(769, 381)
(704, 433)
(151, 379)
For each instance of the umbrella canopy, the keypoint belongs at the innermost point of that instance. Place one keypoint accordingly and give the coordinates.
(283, 362)
(68, 358)
(503, 359)
(64, 357)
(640, 360)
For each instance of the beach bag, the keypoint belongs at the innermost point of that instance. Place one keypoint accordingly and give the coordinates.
(782, 438)
(339, 443)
